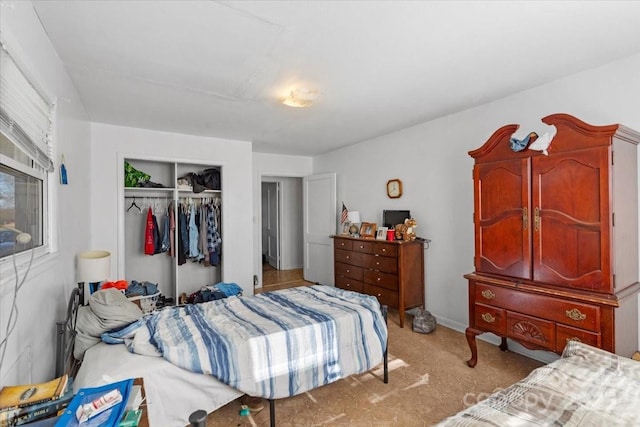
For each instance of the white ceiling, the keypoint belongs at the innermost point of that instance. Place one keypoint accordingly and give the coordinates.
(220, 69)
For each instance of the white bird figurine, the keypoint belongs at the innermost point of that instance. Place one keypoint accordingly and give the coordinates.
(543, 142)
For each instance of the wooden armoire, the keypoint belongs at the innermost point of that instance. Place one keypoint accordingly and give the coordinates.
(556, 239)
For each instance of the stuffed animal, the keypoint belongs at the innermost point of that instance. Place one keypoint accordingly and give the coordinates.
(409, 233)
(406, 231)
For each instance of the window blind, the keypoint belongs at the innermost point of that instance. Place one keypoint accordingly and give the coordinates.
(26, 118)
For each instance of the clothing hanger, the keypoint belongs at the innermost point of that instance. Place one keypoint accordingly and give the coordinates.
(134, 205)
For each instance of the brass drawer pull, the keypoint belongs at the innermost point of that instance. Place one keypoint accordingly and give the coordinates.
(379, 278)
(488, 294)
(525, 217)
(348, 257)
(361, 247)
(379, 295)
(536, 219)
(487, 317)
(384, 250)
(573, 339)
(575, 314)
(348, 271)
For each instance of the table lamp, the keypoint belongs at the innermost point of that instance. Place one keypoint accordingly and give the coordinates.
(354, 220)
(93, 267)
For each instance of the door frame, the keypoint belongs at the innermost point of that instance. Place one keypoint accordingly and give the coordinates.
(279, 208)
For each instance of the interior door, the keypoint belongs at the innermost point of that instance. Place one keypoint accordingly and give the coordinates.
(319, 223)
(502, 218)
(270, 223)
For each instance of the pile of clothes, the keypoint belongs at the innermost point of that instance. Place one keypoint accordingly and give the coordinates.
(214, 292)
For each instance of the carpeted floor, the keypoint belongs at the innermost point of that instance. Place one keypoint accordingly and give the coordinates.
(428, 381)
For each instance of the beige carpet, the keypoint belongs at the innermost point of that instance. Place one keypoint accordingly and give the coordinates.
(428, 381)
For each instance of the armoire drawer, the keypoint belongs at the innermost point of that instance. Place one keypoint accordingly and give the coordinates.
(347, 270)
(364, 247)
(386, 249)
(533, 330)
(384, 280)
(492, 319)
(385, 296)
(380, 263)
(344, 244)
(349, 284)
(349, 257)
(576, 314)
(564, 334)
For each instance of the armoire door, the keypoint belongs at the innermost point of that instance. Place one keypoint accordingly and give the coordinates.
(571, 219)
(502, 217)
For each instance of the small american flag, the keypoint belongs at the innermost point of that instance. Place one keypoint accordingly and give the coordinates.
(345, 214)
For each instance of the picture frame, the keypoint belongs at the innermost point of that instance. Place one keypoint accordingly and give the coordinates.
(345, 228)
(381, 234)
(368, 230)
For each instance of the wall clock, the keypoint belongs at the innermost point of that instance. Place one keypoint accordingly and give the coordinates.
(394, 188)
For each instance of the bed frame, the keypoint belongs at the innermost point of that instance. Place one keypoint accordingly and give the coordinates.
(66, 362)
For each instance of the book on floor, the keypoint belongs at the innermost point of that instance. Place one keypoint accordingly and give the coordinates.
(38, 411)
(18, 396)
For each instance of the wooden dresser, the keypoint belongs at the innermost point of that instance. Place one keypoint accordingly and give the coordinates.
(393, 271)
(556, 239)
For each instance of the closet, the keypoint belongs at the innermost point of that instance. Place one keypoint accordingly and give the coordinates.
(169, 191)
(556, 239)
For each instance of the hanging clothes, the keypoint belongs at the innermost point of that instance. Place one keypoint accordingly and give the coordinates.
(157, 240)
(193, 235)
(149, 247)
(202, 241)
(166, 230)
(172, 228)
(213, 236)
(183, 235)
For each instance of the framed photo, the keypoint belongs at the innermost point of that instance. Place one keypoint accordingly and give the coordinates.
(368, 230)
(381, 234)
(345, 228)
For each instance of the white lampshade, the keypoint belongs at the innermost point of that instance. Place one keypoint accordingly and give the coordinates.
(93, 266)
(354, 216)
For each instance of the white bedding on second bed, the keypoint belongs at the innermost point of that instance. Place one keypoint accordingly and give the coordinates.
(172, 392)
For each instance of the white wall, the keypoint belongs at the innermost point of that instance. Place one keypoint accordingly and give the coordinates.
(111, 143)
(431, 159)
(271, 165)
(42, 299)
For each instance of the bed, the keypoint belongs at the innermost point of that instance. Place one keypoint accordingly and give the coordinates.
(587, 386)
(235, 347)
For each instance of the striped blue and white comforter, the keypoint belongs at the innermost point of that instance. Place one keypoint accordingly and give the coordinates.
(276, 344)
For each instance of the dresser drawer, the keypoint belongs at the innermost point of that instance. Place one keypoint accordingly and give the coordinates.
(350, 271)
(580, 315)
(386, 249)
(343, 244)
(385, 296)
(564, 334)
(533, 330)
(349, 257)
(380, 263)
(378, 278)
(364, 247)
(492, 319)
(349, 284)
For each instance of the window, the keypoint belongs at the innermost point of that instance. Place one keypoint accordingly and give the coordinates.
(25, 158)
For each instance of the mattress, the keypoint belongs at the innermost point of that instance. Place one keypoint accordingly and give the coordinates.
(172, 393)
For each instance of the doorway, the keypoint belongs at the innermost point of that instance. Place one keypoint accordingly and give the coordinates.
(282, 238)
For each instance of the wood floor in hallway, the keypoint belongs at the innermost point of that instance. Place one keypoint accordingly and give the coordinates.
(273, 280)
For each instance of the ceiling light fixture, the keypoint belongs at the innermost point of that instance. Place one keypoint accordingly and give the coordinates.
(301, 97)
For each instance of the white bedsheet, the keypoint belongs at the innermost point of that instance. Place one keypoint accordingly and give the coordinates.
(172, 392)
